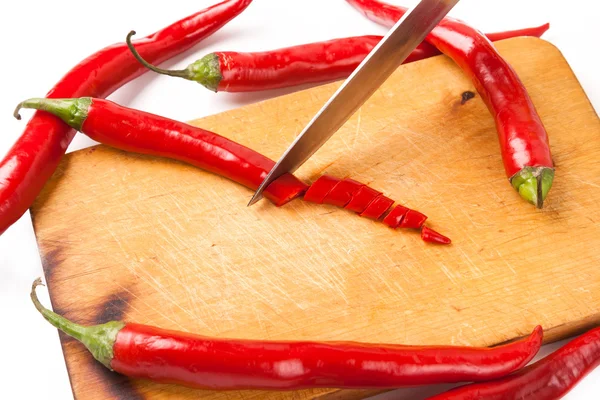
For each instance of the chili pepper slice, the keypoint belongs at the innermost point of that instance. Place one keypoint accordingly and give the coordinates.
(320, 188)
(361, 199)
(395, 217)
(377, 208)
(142, 351)
(523, 139)
(413, 219)
(548, 379)
(430, 236)
(36, 154)
(133, 130)
(230, 71)
(342, 193)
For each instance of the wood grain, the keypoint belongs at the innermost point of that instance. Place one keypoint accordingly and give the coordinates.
(159, 242)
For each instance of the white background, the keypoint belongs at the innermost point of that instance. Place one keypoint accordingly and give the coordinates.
(41, 40)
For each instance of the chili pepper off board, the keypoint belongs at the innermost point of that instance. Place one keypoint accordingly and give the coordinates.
(149, 240)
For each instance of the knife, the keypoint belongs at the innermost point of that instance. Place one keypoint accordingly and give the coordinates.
(379, 64)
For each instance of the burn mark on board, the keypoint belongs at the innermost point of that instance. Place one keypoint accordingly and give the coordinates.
(466, 96)
(52, 258)
(117, 386)
(113, 307)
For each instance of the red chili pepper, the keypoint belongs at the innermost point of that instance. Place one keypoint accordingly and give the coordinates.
(142, 351)
(523, 138)
(141, 132)
(36, 154)
(229, 71)
(548, 379)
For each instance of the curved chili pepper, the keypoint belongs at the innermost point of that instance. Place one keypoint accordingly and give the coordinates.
(141, 132)
(229, 71)
(142, 351)
(521, 133)
(36, 154)
(548, 379)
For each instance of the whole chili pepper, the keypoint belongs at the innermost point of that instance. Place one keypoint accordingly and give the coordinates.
(137, 131)
(548, 379)
(142, 351)
(132, 130)
(229, 71)
(36, 154)
(523, 138)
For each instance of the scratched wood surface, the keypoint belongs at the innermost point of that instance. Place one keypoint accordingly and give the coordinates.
(144, 239)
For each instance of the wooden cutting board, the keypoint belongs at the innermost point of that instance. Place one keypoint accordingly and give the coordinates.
(144, 239)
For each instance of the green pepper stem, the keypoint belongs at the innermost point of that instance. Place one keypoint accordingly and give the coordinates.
(533, 184)
(99, 339)
(181, 73)
(70, 328)
(71, 111)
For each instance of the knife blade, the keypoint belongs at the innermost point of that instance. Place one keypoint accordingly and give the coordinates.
(379, 64)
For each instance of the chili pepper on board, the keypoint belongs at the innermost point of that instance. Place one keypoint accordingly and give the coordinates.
(36, 154)
(229, 71)
(523, 139)
(137, 131)
(142, 351)
(550, 378)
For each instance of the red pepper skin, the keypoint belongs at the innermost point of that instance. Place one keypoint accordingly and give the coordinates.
(137, 131)
(523, 139)
(174, 357)
(36, 154)
(320, 188)
(361, 199)
(413, 220)
(229, 71)
(377, 208)
(430, 236)
(395, 217)
(548, 379)
(309, 63)
(342, 193)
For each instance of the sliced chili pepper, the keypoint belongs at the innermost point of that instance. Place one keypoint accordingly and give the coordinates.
(395, 217)
(133, 130)
(229, 71)
(142, 351)
(523, 139)
(548, 379)
(320, 188)
(377, 208)
(36, 154)
(413, 219)
(361, 199)
(342, 193)
(137, 131)
(430, 236)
